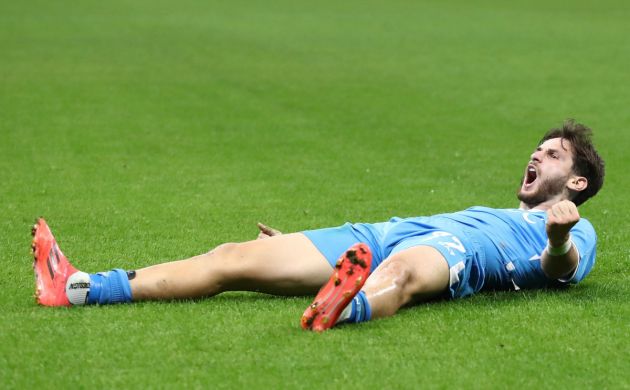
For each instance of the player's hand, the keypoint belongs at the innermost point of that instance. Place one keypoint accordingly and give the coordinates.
(561, 217)
(266, 231)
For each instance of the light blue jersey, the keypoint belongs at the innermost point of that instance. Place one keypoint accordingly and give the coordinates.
(485, 248)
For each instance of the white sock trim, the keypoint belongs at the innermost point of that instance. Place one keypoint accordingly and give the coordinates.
(78, 288)
(345, 314)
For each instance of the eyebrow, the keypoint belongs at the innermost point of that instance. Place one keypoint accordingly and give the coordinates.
(549, 150)
(561, 145)
(553, 149)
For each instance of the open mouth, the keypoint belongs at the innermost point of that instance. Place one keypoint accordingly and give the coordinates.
(531, 175)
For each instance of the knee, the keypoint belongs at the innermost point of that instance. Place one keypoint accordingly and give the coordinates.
(398, 269)
(414, 281)
(418, 278)
(401, 276)
(224, 251)
(230, 261)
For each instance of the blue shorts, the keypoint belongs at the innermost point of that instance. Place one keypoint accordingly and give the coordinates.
(461, 253)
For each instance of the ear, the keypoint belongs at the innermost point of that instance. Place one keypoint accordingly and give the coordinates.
(577, 183)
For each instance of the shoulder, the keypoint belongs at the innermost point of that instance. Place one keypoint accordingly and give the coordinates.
(584, 225)
(584, 235)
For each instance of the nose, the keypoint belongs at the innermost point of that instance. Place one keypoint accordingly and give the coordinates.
(536, 156)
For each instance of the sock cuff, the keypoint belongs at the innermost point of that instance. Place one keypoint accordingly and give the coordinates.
(361, 310)
(120, 290)
(96, 285)
(109, 287)
(367, 310)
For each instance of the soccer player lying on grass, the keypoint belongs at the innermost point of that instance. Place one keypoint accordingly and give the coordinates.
(383, 266)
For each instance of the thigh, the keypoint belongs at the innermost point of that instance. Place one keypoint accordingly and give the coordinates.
(284, 264)
(287, 264)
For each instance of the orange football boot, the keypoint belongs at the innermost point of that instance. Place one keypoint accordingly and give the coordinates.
(351, 271)
(52, 269)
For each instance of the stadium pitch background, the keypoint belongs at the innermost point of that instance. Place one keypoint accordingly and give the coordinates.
(152, 131)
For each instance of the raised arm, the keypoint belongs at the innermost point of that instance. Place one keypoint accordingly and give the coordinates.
(560, 258)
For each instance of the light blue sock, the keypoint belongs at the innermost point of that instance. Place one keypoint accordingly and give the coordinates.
(361, 310)
(109, 287)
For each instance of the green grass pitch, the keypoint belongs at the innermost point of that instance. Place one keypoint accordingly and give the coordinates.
(147, 131)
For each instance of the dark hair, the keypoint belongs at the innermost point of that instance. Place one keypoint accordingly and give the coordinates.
(586, 160)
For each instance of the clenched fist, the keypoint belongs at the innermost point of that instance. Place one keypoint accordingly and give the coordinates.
(561, 217)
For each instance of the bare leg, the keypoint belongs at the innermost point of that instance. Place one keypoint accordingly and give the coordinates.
(287, 264)
(415, 274)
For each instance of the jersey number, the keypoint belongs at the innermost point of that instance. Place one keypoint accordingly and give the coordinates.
(453, 244)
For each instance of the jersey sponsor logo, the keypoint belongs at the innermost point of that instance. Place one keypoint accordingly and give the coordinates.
(537, 217)
(527, 216)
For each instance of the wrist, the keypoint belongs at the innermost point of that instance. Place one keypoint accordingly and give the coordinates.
(559, 250)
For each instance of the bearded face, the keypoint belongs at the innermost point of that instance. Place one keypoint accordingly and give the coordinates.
(545, 189)
(547, 174)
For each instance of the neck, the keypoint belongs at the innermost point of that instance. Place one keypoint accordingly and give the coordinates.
(543, 206)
